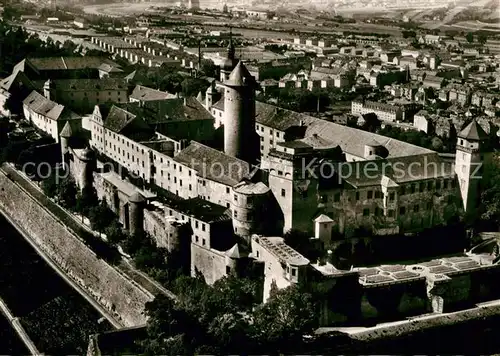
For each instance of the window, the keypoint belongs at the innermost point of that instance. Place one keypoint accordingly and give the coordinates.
(175, 179)
(366, 212)
(283, 192)
(453, 183)
(402, 191)
(277, 134)
(261, 139)
(369, 195)
(270, 142)
(422, 187)
(190, 187)
(235, 197)
(203, 242)
(378, 194)
(357, 196)
(280, 173)
(391, 213)
(228, 269)
(392, 196)
(180, 168)
(180, 182)
(262, 129)
(235, 214)
(202, 227)
(429, 185)
(412, 188)
(445, 184)
(227, 190)
(196, 238)
(402, 210)
(416, 207)
(438, 185)
(294, 272)
(336, 197)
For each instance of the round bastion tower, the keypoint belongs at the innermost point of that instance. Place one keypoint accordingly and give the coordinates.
(250, 208)
(136, 213)
(86, 159)
(240, 139)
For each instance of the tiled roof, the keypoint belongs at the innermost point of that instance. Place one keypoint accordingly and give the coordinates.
(58, 63)
(473, 131)
(213, 164)
(118, 118)
(43, 106)
(395, 171)
(143, 93)
(201, 209)
(219, 104)
(16, 76)
(90, 84)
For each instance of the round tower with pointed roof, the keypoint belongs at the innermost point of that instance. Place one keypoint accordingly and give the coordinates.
(136, 213)
(240, 139)
(472, 151)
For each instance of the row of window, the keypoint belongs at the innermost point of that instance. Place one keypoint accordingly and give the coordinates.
(184, 217)
(261, 128)
(402, 210)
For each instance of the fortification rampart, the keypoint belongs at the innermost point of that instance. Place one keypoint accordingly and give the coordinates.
(106, 285)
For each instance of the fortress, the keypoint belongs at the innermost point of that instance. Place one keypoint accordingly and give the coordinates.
(226, 202)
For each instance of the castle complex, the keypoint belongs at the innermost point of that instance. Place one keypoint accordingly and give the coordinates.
(278, 170)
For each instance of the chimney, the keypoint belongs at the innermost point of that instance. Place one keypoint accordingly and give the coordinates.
(301, 123)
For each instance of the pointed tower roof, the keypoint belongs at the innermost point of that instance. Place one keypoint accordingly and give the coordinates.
(240, 76)
(200, 96)
(236, 252)
(231, 51)
(473, 131)
(323, 219)
(66, 132)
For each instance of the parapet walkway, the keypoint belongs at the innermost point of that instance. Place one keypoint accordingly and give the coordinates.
(83, 231)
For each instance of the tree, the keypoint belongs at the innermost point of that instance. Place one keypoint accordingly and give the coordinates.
(482, 38)
(67, 192)
(133, 243)
(86, 199)
(208, 68)
(285, 318)
(409, 34)
(49, 186)
(192, 86)
(469, 37)
(100, 216)
(114, 232)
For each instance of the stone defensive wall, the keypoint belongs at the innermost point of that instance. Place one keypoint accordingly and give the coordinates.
(114, 292)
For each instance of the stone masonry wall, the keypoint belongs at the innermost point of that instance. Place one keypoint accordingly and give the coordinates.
(100, 280)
